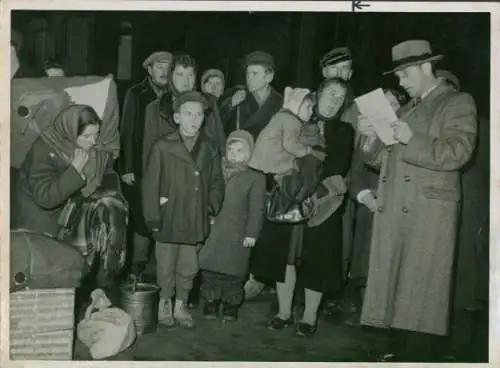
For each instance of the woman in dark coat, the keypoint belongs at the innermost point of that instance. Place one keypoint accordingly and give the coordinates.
(310, 256)
(56, 169)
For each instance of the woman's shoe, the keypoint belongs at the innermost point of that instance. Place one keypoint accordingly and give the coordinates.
(303, 329)
(278, 324)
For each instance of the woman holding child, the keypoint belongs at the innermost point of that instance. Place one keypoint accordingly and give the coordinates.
(310, 255)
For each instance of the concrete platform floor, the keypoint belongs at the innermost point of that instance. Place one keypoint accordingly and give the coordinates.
(248, 340)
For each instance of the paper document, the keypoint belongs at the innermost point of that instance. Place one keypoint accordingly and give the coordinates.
(94, 95)
(378, 111)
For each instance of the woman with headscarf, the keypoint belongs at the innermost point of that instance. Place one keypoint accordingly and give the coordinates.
(61, 164)
(310, 255)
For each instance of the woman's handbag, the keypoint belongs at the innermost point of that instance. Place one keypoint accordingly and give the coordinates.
(280, 208)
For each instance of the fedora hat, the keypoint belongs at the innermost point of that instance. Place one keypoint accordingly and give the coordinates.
(411, 52)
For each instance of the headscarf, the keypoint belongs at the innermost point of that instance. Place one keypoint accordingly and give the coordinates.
(62, 137)
(230, 168)
(293, 99)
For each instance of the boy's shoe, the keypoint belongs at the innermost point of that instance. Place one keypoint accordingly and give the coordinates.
(229, 312)
(165, 313)
(211, 309)
(182, 315)
(278, 324)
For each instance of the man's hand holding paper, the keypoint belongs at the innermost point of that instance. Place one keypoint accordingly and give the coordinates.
(377, 110)
(402, 132)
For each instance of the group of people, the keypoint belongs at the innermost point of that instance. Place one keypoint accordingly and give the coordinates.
(243, 187)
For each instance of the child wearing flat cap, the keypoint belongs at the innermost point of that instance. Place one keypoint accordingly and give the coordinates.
(183, 187)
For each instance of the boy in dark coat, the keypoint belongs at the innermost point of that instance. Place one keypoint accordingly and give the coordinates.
(225, 256)
(183, 187)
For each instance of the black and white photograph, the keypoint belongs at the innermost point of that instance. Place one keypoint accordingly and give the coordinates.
(249, 183)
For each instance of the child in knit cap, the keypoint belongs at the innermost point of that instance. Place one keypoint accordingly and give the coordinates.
(224, 258)
(287, 137)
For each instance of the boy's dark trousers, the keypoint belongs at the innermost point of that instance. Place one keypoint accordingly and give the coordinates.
(226, 288)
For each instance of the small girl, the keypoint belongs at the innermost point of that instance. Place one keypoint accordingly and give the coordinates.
(224, 258)
(280, 144)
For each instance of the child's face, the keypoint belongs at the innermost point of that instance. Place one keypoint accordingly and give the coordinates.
(190, 117)
(237, 151)
(306, 109)
(393, 101)
(214, 86)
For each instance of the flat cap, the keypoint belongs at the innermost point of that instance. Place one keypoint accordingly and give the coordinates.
(159, 56)
(189, 96)
(209, 73)
(335, 56)
(259, 58)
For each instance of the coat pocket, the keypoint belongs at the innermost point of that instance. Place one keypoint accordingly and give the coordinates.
(444, 194)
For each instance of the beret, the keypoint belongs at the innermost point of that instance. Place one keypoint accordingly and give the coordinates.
(211, 73)
(156, 57)
(259, 58)
(335, 56)
(189, 96)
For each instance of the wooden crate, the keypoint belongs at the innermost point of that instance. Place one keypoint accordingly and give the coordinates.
(42, 324)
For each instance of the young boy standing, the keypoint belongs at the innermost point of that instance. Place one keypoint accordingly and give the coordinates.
(183, 187)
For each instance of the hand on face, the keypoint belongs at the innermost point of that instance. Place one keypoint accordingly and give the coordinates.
(80, 159)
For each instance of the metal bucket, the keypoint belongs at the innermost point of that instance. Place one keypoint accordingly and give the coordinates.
(140, 301)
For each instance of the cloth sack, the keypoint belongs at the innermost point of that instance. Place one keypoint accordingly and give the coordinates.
(106, 331)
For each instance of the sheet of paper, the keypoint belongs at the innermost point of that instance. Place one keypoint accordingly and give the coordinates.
(94, 95)
(378, 111)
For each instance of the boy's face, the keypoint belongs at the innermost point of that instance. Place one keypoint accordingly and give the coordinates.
(342, 70)
(258, 77)
(237, 151)
(190, 117)
(214, 86)
(183, 78)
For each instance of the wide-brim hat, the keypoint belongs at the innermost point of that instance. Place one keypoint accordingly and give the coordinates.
(326, 206)
(412, 52)
(189, 96)
(259, 58)
(159, 56)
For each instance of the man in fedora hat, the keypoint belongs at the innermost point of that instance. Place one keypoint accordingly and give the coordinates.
(132, 133)
(414, 228)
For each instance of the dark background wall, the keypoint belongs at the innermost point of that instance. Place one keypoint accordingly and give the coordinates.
(87, 42)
